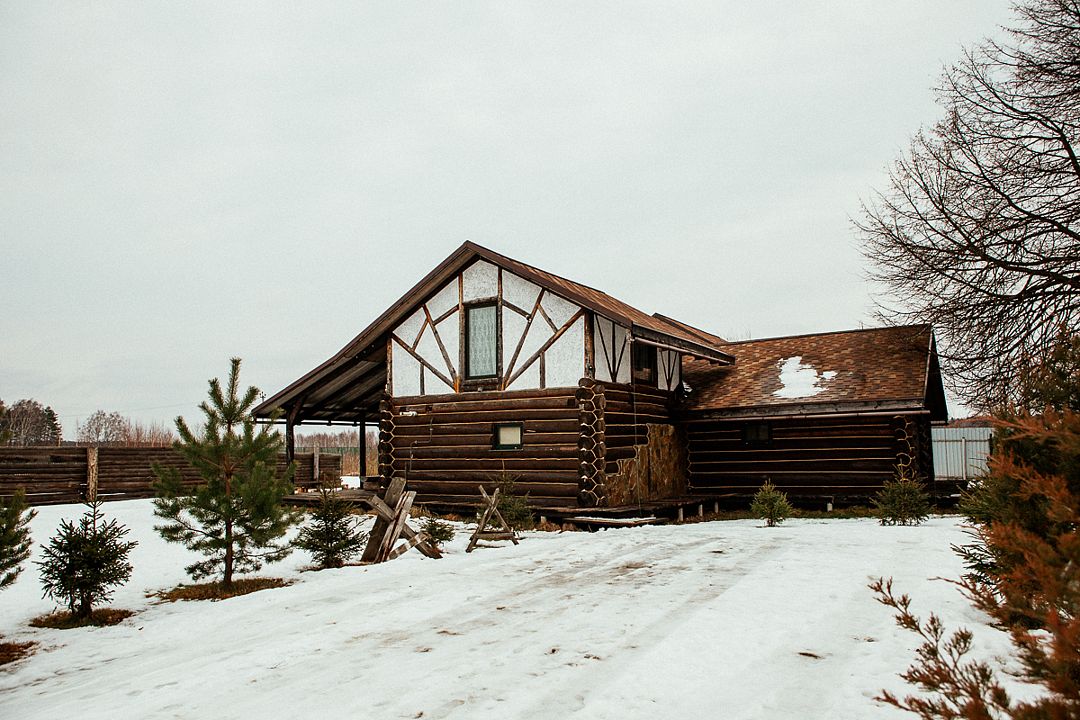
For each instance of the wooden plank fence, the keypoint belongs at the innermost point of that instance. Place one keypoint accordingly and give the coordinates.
(59, 475)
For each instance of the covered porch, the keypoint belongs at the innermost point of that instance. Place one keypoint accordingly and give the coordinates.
(345, 390)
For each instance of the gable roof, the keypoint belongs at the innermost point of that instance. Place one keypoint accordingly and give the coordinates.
(348, 386)
(641, 324)
(873, 369)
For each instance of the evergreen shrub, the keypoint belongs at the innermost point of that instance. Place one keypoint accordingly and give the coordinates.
(771, 505)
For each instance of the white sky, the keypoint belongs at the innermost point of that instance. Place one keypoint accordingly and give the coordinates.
(183, 183)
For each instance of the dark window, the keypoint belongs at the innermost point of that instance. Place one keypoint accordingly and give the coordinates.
(481, 341)
(508, 436)
(757, 434)
(644, 363)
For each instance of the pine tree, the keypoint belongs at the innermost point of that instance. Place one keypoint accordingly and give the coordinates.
(902, 501)
(771, 505)
(15, 519)
(235, 517)
(84, 562)
(334, 534)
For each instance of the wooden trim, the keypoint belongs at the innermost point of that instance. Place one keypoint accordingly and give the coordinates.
(445, 315)
(515, 308)
(426, 364)
(543, 313)
(550, 341)
(442, 348)
(590, 350)
(521, 342)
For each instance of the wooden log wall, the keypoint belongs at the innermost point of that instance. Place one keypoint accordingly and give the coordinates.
(627, 414)
(443, 445)
(48, 475)
(850, 456)
(640, 464)
(60, 475)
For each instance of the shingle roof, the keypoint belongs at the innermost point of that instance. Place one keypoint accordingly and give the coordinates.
(879, 365)
(602, 302)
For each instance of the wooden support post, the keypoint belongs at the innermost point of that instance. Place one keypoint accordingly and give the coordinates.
(91, 474)
(701, 510)
(362, 472)
(681, 518)
(290, 427)
(315, 466)
(716, 507)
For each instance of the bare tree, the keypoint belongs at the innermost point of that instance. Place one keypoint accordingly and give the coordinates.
(978, 231)
(30, 423)
(150, 435)
(102, 427)
(5, 433)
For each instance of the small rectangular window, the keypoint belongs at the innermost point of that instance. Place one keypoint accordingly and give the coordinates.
(508, 436)
(644, 363)
(481, 341)
(757, 434)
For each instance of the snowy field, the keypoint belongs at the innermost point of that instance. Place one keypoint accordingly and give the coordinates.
(715, 620)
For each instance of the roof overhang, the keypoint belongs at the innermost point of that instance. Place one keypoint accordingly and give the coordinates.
(812, 409)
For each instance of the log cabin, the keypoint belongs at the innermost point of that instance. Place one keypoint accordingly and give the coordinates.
(489, 368)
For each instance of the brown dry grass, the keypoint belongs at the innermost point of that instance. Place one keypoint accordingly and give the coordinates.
(215, 591)
(63, 620)
(12, 651)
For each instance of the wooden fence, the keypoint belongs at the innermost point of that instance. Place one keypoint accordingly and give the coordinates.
(59, 475)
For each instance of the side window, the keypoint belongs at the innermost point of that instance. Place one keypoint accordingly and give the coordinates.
(481, 341)
(507, 436)
(644, 367)
(757, 434)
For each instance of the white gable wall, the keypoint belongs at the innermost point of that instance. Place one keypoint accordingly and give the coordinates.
(551, 355)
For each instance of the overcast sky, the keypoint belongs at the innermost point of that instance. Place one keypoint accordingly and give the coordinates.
(183, 183)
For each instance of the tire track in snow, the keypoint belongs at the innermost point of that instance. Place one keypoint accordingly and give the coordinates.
(571, 695)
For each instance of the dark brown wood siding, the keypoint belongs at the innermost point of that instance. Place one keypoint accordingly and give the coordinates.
(628, 411)
(842, 456)
(445, 451)
(60, 475)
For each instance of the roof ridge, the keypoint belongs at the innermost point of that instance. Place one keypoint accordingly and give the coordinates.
(833, 332)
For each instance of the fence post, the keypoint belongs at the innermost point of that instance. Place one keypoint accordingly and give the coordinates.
(964, 461)
(91, 474)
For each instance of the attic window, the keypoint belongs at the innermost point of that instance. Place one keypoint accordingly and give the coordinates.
(481, 341)
(508, 436)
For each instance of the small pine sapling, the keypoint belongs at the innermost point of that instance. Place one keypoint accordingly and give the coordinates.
(15, 519)
(903, 501)
(514, 508)
(438, 530)
(83, 563)
(236, 517)
(771, 505)
(333, 535)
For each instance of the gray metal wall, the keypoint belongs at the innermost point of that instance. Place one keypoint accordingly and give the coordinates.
(960, 453)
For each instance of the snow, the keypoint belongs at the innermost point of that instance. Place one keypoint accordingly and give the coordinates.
(706, 619)
(352, 481)
(800, 381)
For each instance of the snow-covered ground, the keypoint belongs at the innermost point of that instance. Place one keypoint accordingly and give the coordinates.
(719, 620)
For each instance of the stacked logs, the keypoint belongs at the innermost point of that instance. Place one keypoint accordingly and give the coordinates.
(445, 445)
(591, 445)
(836, 456)
(52, 475)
